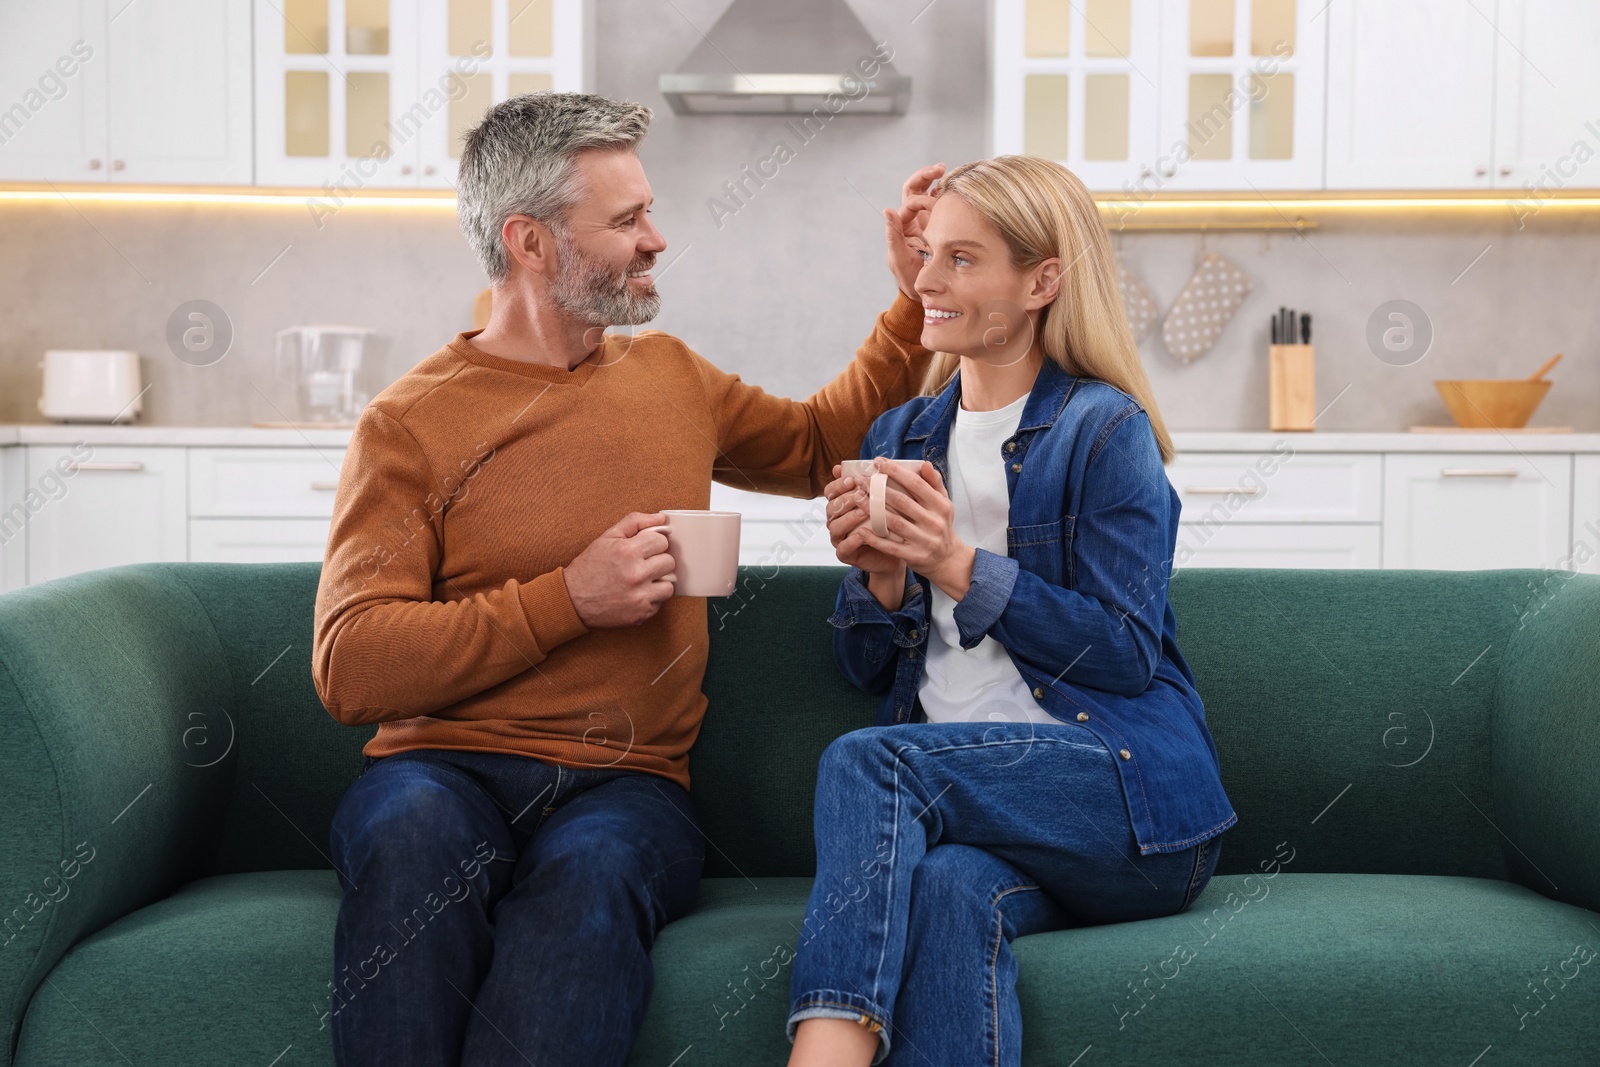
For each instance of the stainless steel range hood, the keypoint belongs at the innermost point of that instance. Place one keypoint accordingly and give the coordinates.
(787, 57)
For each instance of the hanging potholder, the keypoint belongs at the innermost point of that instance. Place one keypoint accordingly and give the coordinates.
(1204, 306)
(1137, 303)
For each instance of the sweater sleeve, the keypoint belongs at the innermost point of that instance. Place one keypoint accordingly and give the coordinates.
(383, 646)
(789, 447)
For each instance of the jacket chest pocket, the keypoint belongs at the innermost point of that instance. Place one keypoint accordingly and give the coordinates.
(1044, 549)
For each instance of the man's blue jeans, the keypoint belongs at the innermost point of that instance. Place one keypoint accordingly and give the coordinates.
(500, 910)
(937, 844)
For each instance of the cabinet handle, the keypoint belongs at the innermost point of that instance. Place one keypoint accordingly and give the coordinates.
(117, 164)
(91, 465)
(325, 486)
(405, 168)
(1215, 489)
(1481, 169)
(1505, 170)
(94, 164)
(1479, 472)
(428, 169)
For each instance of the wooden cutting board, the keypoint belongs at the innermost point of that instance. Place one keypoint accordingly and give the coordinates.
(1490, 429)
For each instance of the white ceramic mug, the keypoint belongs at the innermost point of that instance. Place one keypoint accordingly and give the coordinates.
(704, 546)
(879, 487)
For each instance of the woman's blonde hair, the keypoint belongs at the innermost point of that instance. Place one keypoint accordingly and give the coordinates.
(1042, 209)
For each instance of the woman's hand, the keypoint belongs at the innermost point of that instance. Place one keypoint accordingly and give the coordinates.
(903, 228)
(847, 516)
(922, 530)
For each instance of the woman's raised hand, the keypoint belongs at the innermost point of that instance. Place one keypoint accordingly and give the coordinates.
(903, 228)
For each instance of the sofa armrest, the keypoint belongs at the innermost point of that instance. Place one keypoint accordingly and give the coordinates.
(1545, 742)
(117, 760)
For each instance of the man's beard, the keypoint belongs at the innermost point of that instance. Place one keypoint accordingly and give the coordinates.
(594, 294)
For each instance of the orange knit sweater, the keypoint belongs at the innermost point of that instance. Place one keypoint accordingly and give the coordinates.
(471, 482)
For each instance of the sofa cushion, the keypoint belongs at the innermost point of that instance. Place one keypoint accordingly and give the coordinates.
(1368, 968)
(231, 969)
(1294, 968)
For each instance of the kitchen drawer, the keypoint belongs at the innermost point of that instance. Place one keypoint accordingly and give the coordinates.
(1585, 515)
(103, 507)
(1246, 544)
(257, 540)
(1223, 487)
(265, 483)
(777, 530)
(1477, 510)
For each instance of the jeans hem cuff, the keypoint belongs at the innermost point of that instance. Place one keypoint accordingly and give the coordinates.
(835, 1005)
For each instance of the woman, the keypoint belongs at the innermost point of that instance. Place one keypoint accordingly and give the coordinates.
(1041, 758)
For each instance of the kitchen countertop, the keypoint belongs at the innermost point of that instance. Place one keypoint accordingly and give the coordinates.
(100, 434)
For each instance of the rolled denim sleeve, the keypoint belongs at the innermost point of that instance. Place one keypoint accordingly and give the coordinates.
(993, 578)
(867, 638)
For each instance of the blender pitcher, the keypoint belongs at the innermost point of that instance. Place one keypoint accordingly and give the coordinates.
(324, 364)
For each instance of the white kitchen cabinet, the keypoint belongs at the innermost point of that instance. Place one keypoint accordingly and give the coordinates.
(1078, 83)
(53, 91)
(144, 92)
(776, 531)
(1254, 544)
(1280, 486)
(14, 517)
(1547, 97)
(355, 94)
(333, 79)
(263, 483)
(1411, 94)
(1585, 552)
(178, 92)
(1472, 510)
(119, 505)
(1242, 85)
(257, 540)
(1147, 96)
(480, 52)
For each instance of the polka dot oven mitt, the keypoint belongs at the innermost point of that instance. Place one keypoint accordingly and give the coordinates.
(1203, 308)
(1137, 304)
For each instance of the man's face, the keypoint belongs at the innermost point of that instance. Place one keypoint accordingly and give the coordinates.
(607, 245)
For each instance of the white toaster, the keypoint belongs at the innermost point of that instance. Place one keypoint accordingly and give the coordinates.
(83, 385)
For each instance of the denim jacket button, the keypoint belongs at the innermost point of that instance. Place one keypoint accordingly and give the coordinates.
(1038, 694)
(1083, 716)
(915, 635)
(1011, 446)
(1125, 754)
(1016, 467)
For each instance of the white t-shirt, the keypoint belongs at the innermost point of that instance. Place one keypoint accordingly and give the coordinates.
(979, 684)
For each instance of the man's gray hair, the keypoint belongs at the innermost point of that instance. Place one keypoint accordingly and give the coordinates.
(519, 161)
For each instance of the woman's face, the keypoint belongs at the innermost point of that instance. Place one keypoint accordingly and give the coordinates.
(974, 302)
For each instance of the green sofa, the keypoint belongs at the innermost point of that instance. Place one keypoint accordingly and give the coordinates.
(1414, 757)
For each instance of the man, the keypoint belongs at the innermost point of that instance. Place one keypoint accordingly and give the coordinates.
(492, 598)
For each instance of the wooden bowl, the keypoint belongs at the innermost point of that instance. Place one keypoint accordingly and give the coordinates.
(1492, 403)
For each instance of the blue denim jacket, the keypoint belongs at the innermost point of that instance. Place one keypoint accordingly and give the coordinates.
(1079, 601)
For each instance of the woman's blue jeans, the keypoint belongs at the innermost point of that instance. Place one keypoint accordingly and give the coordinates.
(937, 844)
(498, 909)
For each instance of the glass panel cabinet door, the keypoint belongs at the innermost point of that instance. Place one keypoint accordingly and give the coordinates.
(1242, 93)
(337, 94)
(1077, 81)
(476, 53)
